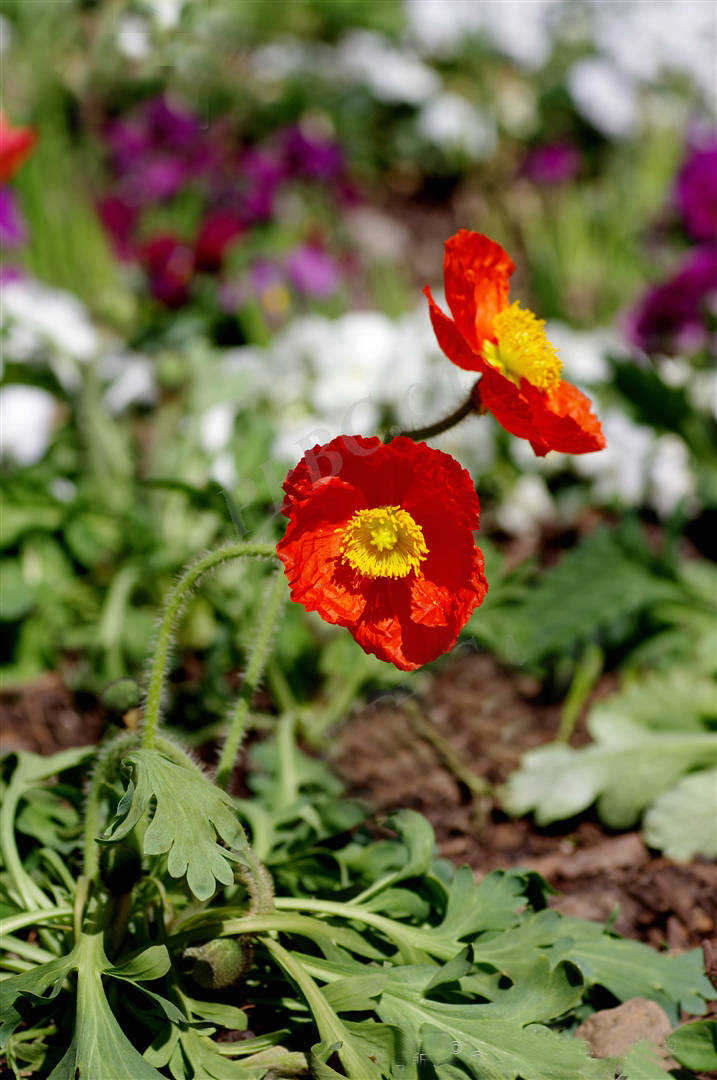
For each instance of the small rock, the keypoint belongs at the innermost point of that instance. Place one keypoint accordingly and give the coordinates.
(612, 1032)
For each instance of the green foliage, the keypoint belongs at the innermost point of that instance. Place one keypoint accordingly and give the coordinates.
(186, 829)
(648, 740)
(597, 593)
(391, 963)
(695, 1045)
(681, 822)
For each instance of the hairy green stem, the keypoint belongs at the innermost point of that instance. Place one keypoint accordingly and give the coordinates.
(172, 609)
(472, 404)
(254, 671)
(107, 760)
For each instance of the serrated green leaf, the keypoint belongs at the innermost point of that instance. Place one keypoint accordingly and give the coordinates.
(513, 951)
(673, 700)
(630, 969)
(591, 595)
(683, 821)
(642, 1063)
(503, 1040)
(190, 813)
(695, 1045)
(624, 770)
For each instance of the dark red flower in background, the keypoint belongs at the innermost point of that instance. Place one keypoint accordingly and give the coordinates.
(170, 266)
(380, 540)
(521, 383)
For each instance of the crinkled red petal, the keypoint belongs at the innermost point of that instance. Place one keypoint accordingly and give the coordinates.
(564, 419)
(502, 397)
(406, 621)
(477, 279)
(310, 552)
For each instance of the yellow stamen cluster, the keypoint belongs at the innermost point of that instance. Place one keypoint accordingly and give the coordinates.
(383, 542)
(523, 351)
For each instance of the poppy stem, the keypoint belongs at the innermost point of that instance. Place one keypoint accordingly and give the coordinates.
(176, 599)
(472, 404)
(273, 604)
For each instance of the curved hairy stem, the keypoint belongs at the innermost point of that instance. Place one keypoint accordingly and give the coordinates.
(175, 602)
(472, 404)
(255, 669)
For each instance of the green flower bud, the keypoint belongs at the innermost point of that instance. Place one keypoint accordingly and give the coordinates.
(218, 963)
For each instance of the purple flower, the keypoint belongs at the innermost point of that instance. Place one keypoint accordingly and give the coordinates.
(12, 226)
(313, 272)
(170, 124)
(552, 163)
(312, 157)
(696, 192)
(671, 316)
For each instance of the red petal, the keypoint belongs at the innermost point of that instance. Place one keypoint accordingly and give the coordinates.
(450, 339)
(477, 279)
(510, 407)
(15, 145)
(564, 420)
(310, 553)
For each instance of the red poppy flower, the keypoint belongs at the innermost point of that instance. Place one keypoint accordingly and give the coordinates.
(15, 145)
(521, 383)
(380, 540)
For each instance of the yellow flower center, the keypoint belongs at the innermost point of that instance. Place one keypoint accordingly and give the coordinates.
(522, 350)
(383, 542)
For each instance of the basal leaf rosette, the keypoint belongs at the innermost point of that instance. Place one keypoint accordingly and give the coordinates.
(380, 540)
(521, 382)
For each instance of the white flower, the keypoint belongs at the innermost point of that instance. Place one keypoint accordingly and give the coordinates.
(521, 29)
(166, 13)
(583, 352)
(452, 123)
(27, 414)
(702, 391)
(394, 75)
(216, 426)
(647, 41)
(132, 381)
(671, 480)
(44, 315)
(605, 95)
(621, 469)
(376, 234)
(528, 506)
(134, 37)
(223, 470)
(6, 33)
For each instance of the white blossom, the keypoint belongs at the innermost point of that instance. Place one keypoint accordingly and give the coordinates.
(451, 122)
(27, 414)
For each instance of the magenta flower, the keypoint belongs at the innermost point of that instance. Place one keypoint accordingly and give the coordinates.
(671, 317)
(552, 163)
(696, 193)
(12, 227)
(313, 272)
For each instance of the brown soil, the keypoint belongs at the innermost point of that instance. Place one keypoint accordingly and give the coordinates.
(478, 718)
